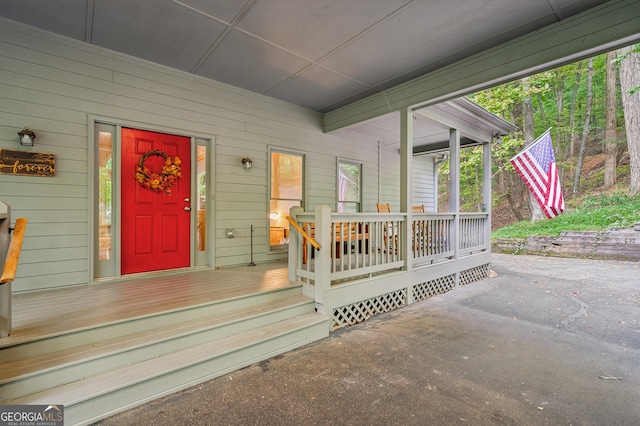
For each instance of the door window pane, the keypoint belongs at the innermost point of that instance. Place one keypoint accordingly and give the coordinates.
(202, 193)
(105, 205)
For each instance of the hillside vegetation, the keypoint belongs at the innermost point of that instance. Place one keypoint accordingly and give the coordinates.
(588, 108)
(594, 213)
(580, 208)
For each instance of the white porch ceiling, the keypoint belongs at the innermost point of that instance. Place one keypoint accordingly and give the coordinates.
(320, 54)
(431, 126)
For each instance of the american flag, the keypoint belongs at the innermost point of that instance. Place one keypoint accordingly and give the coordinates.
(536, 165)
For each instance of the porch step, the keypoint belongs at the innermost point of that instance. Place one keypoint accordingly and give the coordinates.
(33, 370)
(166, 318)
(97, 378)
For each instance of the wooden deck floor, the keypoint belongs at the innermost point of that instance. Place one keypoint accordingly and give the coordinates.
(53, 312)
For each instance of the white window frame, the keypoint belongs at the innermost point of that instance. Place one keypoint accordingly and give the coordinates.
(273, 149)
(340, 161)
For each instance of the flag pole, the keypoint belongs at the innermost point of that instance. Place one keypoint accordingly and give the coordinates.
(537, 167)
(535, 141)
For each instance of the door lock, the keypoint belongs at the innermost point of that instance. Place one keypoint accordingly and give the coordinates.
(187, 200)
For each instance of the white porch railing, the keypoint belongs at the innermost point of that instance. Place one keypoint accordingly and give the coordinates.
(473, 235)
(432, 237)
(359, 246)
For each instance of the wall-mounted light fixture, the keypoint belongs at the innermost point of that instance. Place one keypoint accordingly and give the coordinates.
(274, 215)
(230, 233)
(247, 163)
(26, 137)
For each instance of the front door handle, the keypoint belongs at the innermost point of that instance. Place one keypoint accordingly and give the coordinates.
(187, 208)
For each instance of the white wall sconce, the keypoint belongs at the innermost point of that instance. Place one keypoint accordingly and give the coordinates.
(26, 137)
(247, 163)
(230, 232)
(274, 215)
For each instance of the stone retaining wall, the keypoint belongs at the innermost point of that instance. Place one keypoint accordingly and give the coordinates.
(619, 244)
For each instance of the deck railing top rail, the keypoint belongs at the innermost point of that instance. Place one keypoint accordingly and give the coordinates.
(357, 246)
(302, 232)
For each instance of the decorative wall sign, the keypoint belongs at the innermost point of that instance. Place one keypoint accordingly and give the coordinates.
(26, 163)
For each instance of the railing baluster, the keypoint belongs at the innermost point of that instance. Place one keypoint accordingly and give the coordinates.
(364, 244)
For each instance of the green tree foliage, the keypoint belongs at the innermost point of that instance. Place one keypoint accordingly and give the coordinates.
(636, 49)
(559, 98)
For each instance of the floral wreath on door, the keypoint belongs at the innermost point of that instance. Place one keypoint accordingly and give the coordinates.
(159, 182)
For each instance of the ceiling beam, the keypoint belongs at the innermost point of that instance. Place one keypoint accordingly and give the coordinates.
(88, 22)
(451, 122)
(440, 146)
(603, 28)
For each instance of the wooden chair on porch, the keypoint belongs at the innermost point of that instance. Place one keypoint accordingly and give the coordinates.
(356, 233)
(419, 231)
(431, 237)
(383, 208)
(342, 233)
(311, 230)
(388, 228)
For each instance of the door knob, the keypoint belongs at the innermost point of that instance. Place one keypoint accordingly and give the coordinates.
(187, 208)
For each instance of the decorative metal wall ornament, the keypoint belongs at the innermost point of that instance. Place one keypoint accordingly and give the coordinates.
(159, 182)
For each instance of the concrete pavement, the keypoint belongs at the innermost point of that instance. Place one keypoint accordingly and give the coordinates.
(545, 341)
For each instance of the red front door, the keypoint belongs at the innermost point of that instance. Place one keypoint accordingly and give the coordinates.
(155, 223)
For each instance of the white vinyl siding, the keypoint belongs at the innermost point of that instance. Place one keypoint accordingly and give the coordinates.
(423, 187)
(57, 87)
(422, 175)
(389, 178)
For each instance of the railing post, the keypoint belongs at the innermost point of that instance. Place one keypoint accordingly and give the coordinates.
(486, 192)
(295, 245)
(454, 191)
(406, 185)
(5, 289)
(323, 257)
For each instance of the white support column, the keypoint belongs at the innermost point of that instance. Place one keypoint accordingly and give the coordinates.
(295, 245)
(454, 190)
(323, 258)
(380, 176)
(486, 189)
(406, 182)
(5, 310)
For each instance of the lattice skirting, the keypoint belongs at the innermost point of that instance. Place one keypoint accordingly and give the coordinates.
(358, 312)
(361, 311)
(474, 274)
(431, 288)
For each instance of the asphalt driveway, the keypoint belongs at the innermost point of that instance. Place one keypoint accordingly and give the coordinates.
(544, 341)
